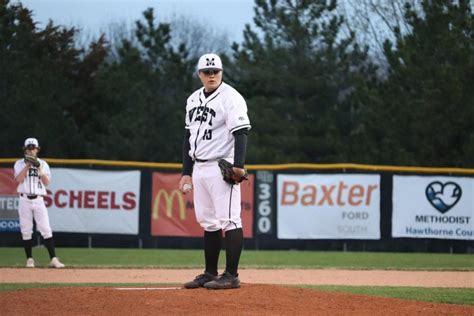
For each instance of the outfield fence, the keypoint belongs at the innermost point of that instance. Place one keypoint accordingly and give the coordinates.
(347, 207)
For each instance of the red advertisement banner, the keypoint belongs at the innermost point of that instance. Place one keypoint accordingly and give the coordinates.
(8, 201)
(172, 213)
(7, 183)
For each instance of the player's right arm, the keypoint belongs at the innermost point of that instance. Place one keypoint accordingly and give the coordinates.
(20, 173)
(187, 165)
(186, 181)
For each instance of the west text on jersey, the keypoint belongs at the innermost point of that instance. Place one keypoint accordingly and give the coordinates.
(202, 114)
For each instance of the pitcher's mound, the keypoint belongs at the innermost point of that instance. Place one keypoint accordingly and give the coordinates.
(249, 299)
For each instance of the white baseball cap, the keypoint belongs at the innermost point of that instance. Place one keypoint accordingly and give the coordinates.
(31, 142)
(209, 61)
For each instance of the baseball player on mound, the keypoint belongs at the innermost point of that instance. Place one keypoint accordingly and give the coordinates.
(216, 126)
(33, 175)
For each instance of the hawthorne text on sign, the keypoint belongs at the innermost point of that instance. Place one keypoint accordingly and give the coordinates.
(335, 206)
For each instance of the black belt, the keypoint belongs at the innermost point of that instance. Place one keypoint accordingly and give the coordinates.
(201, 160)
(31, 197)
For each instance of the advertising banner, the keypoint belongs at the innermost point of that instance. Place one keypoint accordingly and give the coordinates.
(265, 208)
(172, 213)
(9, 221)
(433, 207)
(336, 206)
(87, 201)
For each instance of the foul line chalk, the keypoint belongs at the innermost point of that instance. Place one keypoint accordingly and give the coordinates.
(146, 288)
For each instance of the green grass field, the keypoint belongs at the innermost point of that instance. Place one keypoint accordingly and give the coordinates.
(166, 258)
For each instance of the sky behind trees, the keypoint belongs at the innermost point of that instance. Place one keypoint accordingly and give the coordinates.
(93, 16)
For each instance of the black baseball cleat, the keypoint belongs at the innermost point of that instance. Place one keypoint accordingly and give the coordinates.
(200, 280)
(224, 281)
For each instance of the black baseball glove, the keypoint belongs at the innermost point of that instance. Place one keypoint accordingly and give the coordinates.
(228, 174)
(32, 160)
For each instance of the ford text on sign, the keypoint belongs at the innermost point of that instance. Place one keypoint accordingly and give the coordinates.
(328, 206)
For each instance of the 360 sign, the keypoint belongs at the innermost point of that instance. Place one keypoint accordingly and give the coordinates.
(265, 204)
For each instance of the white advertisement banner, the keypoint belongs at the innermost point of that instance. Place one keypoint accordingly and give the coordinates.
(433, 207)
(335, 206)
(87, 201)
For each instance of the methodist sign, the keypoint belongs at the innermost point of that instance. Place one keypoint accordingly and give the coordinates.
(433, 207)
(337, 206)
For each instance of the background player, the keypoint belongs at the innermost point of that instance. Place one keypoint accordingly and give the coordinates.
(32, 182)
(216, 127)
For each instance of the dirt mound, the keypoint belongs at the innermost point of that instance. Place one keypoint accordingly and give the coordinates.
(259, 293)
(250, 299)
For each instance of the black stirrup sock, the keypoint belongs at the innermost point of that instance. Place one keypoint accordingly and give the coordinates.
(212, 249)
(233, 244)
(28, 245)
(50, 246)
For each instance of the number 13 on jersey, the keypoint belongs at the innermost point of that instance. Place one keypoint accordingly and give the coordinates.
(207, 134)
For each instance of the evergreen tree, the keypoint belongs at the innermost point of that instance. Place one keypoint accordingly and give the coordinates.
(423, 113)
(298, 74)
(147, 86)
(43, 83)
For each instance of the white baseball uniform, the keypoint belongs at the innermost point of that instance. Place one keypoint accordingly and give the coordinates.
(211, 122)
(31, 204)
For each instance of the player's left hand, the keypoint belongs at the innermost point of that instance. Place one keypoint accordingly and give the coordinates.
(240, 173)
(32, 160)
(230, 174)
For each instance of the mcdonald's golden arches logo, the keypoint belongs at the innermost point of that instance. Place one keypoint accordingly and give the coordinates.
(169, 198)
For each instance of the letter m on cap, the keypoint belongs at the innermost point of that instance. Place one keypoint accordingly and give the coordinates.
(210, 62)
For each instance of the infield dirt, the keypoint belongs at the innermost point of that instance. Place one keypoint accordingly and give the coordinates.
(262, 293)
(464, 279)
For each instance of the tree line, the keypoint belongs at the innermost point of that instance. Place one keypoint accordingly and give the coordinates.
(314, 90)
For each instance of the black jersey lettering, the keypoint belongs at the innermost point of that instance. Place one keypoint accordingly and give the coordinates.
(207, 134)
(213, 114)
(203, 114)
(191, 113)
(33, 172)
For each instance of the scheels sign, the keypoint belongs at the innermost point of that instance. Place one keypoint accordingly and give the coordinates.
(91, 199)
